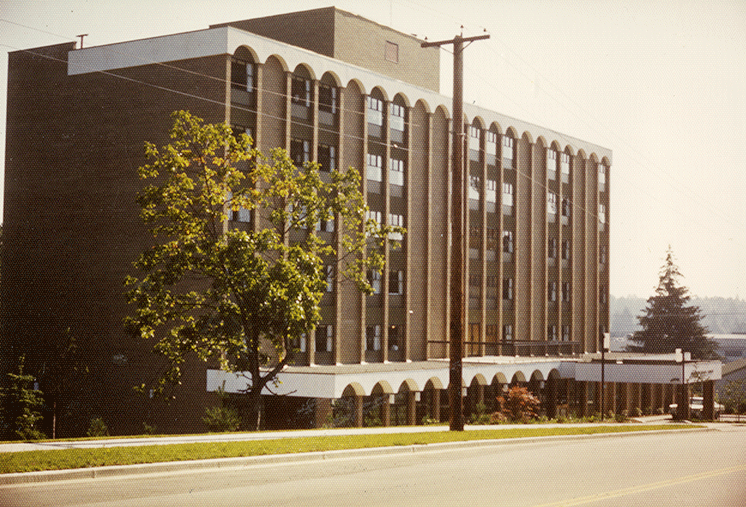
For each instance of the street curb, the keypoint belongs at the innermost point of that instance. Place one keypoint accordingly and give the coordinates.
(275, 459)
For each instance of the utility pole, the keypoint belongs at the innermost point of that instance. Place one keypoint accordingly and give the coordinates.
(458, 274)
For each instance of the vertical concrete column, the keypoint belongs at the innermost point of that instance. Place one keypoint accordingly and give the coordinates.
(435, 414)
(411, 408)
(622, 397)
(323, 411)
(657, 398)
(708, 400)
(582, 390)
(358, 411)
(667, 395)
(385, 410)
(551, 398)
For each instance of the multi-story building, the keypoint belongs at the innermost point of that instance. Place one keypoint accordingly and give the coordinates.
(538, 216)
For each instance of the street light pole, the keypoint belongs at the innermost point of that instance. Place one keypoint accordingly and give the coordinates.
(605, 344)
(458, 273)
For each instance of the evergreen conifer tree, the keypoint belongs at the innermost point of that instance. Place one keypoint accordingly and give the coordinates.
(669, 322)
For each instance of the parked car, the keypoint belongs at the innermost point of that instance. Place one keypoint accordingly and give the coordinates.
(696, 408)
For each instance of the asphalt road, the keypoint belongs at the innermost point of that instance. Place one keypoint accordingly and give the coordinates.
(705, 468)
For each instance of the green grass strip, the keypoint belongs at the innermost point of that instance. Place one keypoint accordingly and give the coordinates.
(62, 459)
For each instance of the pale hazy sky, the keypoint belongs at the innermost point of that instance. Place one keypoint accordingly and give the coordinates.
(661, 83)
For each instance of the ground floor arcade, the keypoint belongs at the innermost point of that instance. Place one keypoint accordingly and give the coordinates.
(416, 392)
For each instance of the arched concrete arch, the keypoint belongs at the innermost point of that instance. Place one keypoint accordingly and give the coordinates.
(246, 54)
(537, 375)
(500, 378)
(379, 93)
(279, 60)
(495, 127)
(423, 104)
(512, 132)
(409, 385)
(555, 146)
(478, 122)
(541, 141)
(353, 389)
(479, 380)
(401, 100)
(305, 71)
(442, 109)
(331, 78)
(605, 161)
(570, 150)
(581, 154)
(434, 383)
(594, 158)
(518, 376)
(528, 137)
(382, 387)
(553, 374)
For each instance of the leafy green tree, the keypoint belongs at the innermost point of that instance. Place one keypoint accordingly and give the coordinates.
(242, 296)
(669, 322)
(21, 407)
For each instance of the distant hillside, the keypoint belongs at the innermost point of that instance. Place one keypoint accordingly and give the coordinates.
(721, 315)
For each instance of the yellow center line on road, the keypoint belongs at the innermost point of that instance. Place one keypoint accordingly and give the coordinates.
(642, 488)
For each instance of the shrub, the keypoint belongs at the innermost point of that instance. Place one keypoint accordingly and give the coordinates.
(148, 429)
(222, 418)
(518, 404)
(636, 412)
(97, 428)
(622, 416)
(20, 407)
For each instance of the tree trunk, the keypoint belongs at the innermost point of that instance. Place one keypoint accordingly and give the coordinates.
(255, 410)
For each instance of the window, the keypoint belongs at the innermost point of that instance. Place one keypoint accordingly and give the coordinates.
(507, 195)
(552, 333)
(391, 52)
(565, 167)
(300, 98)
(601, 174)
(491, 196)
(490, 147)
(327, 158)
(373, 215)
(491, 239)
(374, 168)
(329, 278)
(475, 190)
(566, 250)
(240, 215)
(397, 221)
(552, 248)
(566, 291)
(324, 338)
(508, 289)
(551, 203)
(373, 338)
(327, 100)
(602, 254)
(396, 120)
(300, 343)
(396, 282)
(551, 164)
(374, 279)
(603, 297)
(508, 332)
(565, 333)
(566, 207)
(325, 225)
(508, 151)
(491, 332)
(375, 113)
(396, 172)
(474, 138)
(301, 91)
(395, 337)
(508, 242)
(602, 213)
(552, 292)
(242, 82)
(300, 151)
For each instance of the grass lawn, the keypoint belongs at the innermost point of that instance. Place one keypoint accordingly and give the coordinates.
(61, 459)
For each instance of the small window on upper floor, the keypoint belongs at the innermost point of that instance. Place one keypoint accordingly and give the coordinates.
(396, 120)
(601, 174)
(551, 164)
(565, 167)
(327, 104)
(475, 133)
(551, 203)
(242, 82)
(396, 172)
(327, 157)
(375, 113)
(301, 91)
(392, 52)
(491, 196)
(508, 151)
(374, 168)
(490, 147)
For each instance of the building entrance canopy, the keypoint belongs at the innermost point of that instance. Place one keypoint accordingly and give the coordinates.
(645, 369)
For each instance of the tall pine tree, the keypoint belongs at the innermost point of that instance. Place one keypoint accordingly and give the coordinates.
(669, 323)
